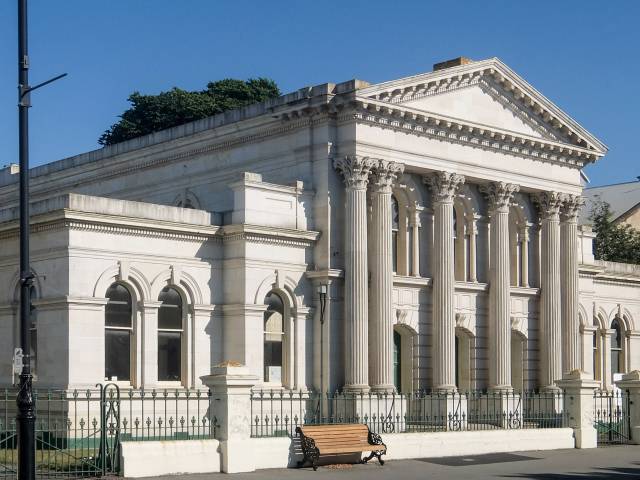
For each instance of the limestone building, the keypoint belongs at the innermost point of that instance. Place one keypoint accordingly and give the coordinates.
(438, 212)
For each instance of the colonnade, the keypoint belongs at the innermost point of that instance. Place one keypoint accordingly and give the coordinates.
(369, 323)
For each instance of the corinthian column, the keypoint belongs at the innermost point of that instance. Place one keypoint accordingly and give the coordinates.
(444, 186)
(499, 196)
(569, 280)
(355, 171)
(381, 305)
(550, 340)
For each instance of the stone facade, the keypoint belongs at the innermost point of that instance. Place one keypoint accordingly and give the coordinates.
(439, 210)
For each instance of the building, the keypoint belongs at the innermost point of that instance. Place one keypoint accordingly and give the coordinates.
(623, 198)
(439, 212)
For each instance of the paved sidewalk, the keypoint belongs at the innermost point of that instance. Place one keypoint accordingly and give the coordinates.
(609, 463)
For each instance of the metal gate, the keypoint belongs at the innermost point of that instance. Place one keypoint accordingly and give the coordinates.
(77, 433)
(611, 417)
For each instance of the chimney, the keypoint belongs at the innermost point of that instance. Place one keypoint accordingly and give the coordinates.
(456, 62)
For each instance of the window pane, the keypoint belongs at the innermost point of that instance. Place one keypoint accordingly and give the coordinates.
(118, 308)
(170, 312)
(169, 357)
(118, 354)
(272, 361)
(615, 361)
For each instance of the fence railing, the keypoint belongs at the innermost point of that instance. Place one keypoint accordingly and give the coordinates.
(612, 416)
(78, 432)
(278, 413)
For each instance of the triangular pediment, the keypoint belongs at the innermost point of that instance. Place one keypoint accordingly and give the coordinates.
(486, 93)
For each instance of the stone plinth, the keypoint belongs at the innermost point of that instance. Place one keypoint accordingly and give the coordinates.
(578, 388)
(231, 386)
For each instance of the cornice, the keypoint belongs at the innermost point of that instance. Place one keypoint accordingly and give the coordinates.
(327, 274)
(269, 235)
(450, 129)
(408, 281)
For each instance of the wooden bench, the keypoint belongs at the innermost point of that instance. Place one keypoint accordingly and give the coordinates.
(338, 439)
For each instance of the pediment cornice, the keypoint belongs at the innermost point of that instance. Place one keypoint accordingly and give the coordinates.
(504, 85)
(455, 130)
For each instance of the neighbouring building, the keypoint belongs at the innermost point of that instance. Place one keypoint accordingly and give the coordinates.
(623, 199)
(439, 212)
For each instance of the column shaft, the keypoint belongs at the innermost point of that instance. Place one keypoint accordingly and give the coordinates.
(444, 187)
(355, 171)
(499, 196)
(570, 291)
(550, 298)
(381, 304)
(415, 232)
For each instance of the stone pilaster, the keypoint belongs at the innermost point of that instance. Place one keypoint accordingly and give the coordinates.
(499, 196)
(355, 171)
(444, 186)
(550, 297)
(524, 252)
(569, 282)
(380, 303)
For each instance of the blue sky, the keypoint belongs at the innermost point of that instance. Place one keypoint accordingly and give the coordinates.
(582, 54)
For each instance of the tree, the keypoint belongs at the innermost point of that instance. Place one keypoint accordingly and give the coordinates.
(151, 113)
(615, 242)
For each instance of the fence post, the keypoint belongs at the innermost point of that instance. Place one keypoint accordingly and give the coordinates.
(231, 385)
(579, 388)
(630, 385)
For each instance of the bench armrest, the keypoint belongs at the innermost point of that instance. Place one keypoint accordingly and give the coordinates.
(375, 439)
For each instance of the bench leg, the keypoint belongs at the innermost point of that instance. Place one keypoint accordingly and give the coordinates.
(376, 453)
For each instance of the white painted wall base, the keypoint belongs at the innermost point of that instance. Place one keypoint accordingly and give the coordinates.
(145, 459)
(452, 444)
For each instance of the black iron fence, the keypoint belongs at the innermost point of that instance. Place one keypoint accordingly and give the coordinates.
(79, 432)
(612, 416)
(277, 413)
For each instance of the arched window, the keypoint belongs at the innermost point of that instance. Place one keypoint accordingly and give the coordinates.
(170, 335)
(596, 370)
(273, 338)
(118, 333)
(617, 365)
(395, 227)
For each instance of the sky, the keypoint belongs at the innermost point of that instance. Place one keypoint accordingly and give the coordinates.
(581, 54)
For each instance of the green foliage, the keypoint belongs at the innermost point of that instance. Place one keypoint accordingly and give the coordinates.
(614, 242)
(151, 113)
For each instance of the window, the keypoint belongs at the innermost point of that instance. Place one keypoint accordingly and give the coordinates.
(273, 338)
(395, 227)
(596, 370)
(118, 333)
(170, 332)
(616, 347)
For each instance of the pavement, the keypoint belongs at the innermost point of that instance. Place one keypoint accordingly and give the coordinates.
(610, 463)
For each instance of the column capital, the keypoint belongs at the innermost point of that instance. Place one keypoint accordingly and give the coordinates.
(444, 185)
(549, 204)
(570, 207)
(383, 175)
(355, 170)
(499, 195)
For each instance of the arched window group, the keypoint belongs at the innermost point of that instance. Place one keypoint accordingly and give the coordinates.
(405, 236)
(605, 349)
(120, 335)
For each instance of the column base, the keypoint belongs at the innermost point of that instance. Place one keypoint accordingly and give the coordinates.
(445, 389)
(382, 389)
(355, 389)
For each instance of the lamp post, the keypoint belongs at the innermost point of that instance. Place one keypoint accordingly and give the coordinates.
(322, 297)
(26, 418)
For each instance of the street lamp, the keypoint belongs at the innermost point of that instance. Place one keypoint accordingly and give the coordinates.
(322, 298)
(26, 418)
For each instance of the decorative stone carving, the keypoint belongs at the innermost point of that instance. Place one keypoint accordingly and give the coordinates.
(444, 186)
(355, 170)
(570, 207)
(549, 204)
(499, 195)
(384, 174)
